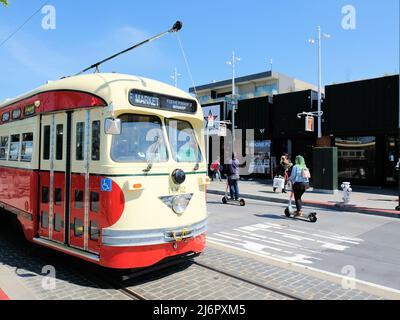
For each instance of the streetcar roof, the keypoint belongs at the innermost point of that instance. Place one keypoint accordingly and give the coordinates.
(111, 87)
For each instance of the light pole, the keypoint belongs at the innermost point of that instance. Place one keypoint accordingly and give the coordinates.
(175, 77)
(232, 63)
(270, 63)
(312, 41)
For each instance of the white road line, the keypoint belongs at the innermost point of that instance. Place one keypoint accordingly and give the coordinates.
(337, 238)
(278, 242)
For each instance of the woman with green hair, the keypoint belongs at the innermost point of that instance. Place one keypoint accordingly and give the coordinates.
(300, 182)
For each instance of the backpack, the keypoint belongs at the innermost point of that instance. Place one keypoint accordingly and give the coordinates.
(305, 173)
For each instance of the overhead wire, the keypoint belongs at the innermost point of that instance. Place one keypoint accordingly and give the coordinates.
(23, 24)
(187, 65)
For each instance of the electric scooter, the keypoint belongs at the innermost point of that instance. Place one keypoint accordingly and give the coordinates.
(226, 199)
(290, 211)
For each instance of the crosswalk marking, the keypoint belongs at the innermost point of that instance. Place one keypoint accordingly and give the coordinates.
(284, 242)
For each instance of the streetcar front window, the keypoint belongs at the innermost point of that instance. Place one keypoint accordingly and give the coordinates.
(141, 140)
(183, 141)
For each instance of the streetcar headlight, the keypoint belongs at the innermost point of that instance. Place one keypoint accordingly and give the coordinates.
(177, 203)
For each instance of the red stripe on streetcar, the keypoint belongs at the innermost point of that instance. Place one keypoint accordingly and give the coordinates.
(3, 296)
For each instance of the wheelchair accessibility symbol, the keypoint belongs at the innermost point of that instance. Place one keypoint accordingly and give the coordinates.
(106, 185)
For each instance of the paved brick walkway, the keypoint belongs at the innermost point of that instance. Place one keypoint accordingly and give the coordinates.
(21, 267)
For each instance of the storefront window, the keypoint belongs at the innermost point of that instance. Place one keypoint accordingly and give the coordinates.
(356, 158)
(260, 151)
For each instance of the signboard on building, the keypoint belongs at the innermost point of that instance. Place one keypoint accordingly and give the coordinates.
(212, 118)
(310, 123)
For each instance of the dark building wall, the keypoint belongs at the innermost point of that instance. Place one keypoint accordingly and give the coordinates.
(285, 122)
(362, 107)
(362, 117)
(254, 114)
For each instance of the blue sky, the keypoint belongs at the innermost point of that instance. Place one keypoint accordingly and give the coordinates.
(87, 31)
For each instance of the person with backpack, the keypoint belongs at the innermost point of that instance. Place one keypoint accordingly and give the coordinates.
(300, 181)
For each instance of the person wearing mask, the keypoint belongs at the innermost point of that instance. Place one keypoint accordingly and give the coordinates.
(300, 181)
(233, 177)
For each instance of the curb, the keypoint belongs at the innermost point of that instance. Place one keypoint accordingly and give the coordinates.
(325, 205)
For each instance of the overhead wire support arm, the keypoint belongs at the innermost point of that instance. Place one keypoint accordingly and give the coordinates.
(310, 114)
(175, 28)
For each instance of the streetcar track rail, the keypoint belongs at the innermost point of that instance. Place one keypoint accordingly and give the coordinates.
(249, 281)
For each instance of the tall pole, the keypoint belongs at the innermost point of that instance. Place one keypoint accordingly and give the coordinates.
(398, 153)
(319, 83)
(233, 100)
(175, 77)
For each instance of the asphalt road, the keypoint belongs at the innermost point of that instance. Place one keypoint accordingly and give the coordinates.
(366, 247)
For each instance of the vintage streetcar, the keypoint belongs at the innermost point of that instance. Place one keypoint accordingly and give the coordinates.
(106, 167)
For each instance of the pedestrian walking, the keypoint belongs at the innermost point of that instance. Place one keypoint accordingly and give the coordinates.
(284, 170)
(233, 177)
(215, 168)
(300, 181)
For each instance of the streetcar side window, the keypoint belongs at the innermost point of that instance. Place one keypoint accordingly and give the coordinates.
(80, 140)
(3, 147)
(45, 195)
(96, 140)
(57, 196)
(78, 227)
(44, 219)
(27, 147)
(58, 224)
(94, 201)
(14, 147)
(78, 199)
(59, 141)
(46, 142)
(94, 231)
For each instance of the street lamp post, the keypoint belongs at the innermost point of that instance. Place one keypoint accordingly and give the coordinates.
(312, 41)
(175, 77)
(233, 63)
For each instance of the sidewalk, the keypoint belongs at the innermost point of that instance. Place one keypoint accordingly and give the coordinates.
(362, 200)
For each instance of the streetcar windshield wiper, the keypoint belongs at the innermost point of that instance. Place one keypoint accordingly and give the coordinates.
(149, 167)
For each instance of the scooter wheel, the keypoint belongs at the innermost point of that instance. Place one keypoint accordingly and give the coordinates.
(224, 200)
(242, 202)
(313, 217)
(287, 213)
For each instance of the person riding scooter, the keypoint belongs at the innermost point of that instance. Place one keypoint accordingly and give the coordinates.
(233, 177)
(300, 181)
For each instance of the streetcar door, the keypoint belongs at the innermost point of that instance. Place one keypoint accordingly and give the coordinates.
(52, 193)
(85, 195)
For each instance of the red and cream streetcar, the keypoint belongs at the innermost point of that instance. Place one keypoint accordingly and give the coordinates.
(107, 167)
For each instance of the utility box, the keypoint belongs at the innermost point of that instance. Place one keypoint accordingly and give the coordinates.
(325, 169)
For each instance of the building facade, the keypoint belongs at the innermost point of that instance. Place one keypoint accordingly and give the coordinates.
(361, 119)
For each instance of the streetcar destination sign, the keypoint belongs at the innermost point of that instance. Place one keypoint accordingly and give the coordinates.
(153, 100)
